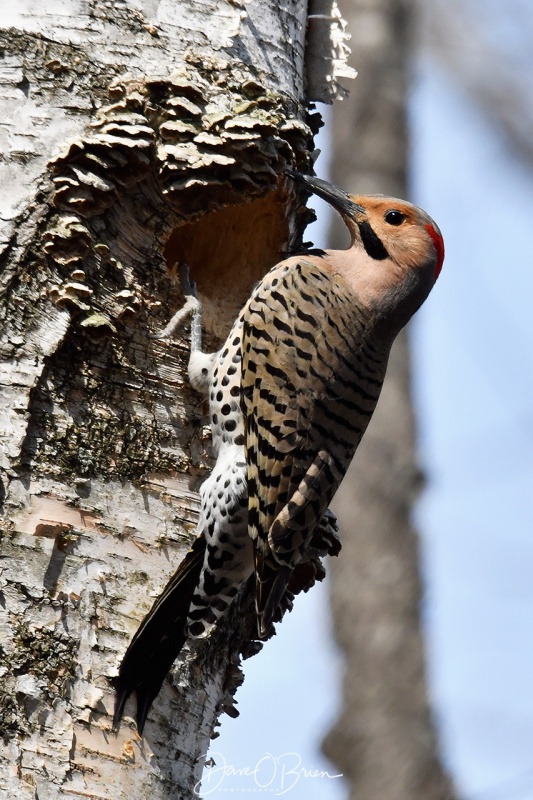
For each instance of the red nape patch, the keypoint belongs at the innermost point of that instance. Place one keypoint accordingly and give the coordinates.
(438, 241)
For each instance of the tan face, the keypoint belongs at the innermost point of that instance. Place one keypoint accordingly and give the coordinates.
(399, 230)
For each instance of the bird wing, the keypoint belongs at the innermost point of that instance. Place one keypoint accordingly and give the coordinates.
(301, 342)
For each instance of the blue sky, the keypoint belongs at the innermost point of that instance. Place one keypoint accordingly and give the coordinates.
(474, 378)
(474, 388)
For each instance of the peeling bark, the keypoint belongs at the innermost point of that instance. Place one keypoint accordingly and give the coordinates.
(131, 140)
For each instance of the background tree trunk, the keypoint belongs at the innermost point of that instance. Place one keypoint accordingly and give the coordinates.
(173, 128)
(384, 740)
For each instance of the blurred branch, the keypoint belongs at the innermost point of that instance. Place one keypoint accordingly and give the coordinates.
(487, 47)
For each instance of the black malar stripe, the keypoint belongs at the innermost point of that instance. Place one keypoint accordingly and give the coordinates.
(371, 242)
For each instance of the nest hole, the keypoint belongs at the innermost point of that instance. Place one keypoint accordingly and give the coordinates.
(229, 250)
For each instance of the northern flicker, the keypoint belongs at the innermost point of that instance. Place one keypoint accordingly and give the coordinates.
(291, 393)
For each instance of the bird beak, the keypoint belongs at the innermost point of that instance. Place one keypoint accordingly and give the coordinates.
(337, 198)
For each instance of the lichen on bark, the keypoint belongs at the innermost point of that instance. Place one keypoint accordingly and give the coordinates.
(173, 134)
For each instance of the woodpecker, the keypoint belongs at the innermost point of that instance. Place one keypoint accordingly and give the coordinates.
(291, 393)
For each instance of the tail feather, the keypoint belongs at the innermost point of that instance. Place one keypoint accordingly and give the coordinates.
(271, 580)
(159, 639)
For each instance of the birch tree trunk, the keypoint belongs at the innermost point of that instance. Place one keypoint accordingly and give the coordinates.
(384, 740)
(132, 138)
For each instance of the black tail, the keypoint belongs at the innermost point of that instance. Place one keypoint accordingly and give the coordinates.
(271, 581)
(159, 639)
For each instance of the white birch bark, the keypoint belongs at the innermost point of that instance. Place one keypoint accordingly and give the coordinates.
(132, 136)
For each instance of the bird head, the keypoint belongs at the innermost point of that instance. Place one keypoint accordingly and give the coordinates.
(386, 227)
(401, 247)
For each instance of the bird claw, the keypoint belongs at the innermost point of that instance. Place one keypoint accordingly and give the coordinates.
(188, 286)
(192, 305)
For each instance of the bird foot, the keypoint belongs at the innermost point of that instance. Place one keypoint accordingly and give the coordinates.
(192, 306)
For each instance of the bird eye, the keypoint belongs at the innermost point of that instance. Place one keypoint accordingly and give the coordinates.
(394, 217)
